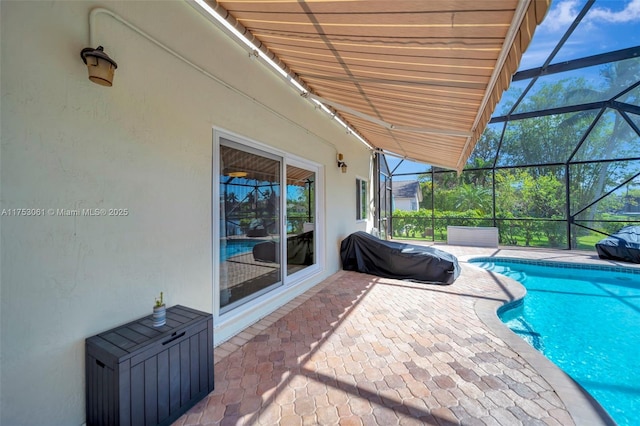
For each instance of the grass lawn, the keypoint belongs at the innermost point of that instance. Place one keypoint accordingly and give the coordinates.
(586, 242)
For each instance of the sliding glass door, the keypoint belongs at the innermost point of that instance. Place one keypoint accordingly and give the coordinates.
(300, 219)
(250, 223)
(267, 222)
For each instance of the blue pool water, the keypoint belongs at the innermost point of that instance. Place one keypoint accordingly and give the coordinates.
(235, 247)
(587, 321)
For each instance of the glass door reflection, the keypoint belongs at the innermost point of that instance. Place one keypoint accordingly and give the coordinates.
(250, 218)
(300, 219)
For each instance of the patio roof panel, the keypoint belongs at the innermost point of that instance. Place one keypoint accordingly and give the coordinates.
(468, 50)
(364, 58)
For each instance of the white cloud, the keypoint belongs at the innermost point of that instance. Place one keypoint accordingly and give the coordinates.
(631, 12)
(564, 12)
(536, 54)
(561, 16)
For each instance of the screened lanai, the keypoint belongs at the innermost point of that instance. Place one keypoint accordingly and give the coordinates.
(559, 163)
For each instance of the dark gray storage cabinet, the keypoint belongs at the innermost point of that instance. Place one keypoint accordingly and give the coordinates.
(138, 374)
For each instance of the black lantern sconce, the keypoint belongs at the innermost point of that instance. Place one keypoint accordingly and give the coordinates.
(100, 66)
(341, 163)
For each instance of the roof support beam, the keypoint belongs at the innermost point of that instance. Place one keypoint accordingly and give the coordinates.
(590, 61)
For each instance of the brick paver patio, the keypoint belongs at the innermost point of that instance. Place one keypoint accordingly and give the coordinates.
(359, 349)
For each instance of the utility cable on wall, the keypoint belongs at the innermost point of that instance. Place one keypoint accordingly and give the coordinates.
(93, 14)
(237, 31)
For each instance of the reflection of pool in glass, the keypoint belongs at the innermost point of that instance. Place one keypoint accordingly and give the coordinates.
(587, 321)
(237, 246)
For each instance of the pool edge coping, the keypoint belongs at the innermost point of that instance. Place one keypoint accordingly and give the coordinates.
(582, 407)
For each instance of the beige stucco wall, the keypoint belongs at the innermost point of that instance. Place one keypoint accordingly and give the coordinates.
(144, 145)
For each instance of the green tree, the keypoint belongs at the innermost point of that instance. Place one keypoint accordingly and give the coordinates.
(426, 187)
(554, 147)
(545, 139)
(473, 197)
(484, 153)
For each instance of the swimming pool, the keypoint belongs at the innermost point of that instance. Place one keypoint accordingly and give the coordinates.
(235, 247)
(584, 318)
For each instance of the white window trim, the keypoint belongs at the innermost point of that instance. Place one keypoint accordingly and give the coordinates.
(366, 181)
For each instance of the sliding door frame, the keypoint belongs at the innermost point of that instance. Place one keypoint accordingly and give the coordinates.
(252, 307)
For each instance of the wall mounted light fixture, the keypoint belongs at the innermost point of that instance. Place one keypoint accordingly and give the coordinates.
(341, 163)
(100, 66)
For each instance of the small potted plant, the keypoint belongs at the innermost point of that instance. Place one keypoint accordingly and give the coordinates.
(159, 312)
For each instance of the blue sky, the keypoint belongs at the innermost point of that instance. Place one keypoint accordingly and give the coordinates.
(609, 25)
